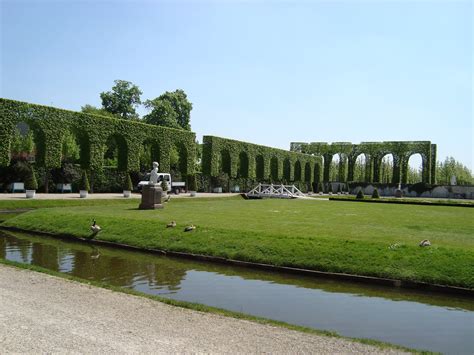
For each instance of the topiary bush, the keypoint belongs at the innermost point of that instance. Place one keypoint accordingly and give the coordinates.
(30, 181)
(164, 186)
(329, 188)
(127, 183)
(84, 182)
(375, 194)
(360, 195)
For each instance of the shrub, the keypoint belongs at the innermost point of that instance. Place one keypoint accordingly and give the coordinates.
(192, 182)
(375, 194)
(320, 187)
(164, 185)
(127, 183)
(30, 181)
(360, 195)
(84, 182)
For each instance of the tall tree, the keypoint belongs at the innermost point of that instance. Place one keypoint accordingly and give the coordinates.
(162, 114)
(122, 100)
(181, 109)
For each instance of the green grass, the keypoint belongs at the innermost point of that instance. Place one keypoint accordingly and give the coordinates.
(214, 310)
(36, 203)
(357, 238)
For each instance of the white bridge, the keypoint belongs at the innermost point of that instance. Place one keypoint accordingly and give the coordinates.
(275, 191)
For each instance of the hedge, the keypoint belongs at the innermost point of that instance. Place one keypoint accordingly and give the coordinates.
(374, 153)
(247, 160)
(50, 125)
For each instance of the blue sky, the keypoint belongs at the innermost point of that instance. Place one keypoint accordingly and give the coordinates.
(267, 72)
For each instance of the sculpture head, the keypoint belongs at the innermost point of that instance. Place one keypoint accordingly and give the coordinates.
(155, 165)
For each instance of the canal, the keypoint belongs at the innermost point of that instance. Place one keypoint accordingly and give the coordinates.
(420, 320)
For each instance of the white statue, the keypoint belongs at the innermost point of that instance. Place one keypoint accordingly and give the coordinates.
(154, 174)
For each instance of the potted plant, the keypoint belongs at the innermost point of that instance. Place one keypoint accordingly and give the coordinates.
(192, 185)
(31, 185)
(127, 186)
(164, 187)
(84, 187)
(375, 194)
(330, 189)
(360, 195)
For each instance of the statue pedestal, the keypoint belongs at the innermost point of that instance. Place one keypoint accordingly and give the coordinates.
(151, 197)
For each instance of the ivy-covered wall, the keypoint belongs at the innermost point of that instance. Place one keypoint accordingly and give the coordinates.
(374, 153)
(49, 126)
(246, 160)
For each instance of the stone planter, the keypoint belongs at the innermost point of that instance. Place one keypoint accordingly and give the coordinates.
(30, 193)
(83, 193)
(192, 193)
(127, 193)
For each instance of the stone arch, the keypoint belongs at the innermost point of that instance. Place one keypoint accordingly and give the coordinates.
(243, 167)
(360, 168)
(83, 141)
(297, 174)
(274, 167)
(307, 173)
(116, 152)
(150, 152)
(414, 172)
(259, 167)
(225, 165)
(183, 158)
(385, 168)
(287, 170)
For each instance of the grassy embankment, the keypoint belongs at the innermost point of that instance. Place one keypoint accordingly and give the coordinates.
(364, 239)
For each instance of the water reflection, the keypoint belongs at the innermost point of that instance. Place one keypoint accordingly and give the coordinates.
(415, 319)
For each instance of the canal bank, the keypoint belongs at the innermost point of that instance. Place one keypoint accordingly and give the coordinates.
(42, 313)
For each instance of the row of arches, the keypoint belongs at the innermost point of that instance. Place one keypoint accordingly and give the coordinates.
(268, 168)
(394, 162)
(112, 151)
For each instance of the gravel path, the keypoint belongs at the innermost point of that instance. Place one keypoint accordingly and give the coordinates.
(101, 196)
(45, 314)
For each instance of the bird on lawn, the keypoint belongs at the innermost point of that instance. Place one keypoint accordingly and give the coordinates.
(95, 228)
(425, 243)
(172, 224)
(190, 228)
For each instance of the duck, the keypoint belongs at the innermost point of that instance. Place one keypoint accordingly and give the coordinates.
(172, 224)
(95, 228)
(190, 228)
(425, 243)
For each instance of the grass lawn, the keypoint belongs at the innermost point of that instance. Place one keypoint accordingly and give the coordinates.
(357, 238)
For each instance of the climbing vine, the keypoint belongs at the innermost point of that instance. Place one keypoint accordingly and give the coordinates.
(51, 126)
(374, 152)
(242, 159)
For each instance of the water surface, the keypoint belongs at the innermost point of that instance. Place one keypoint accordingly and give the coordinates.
(421, 320)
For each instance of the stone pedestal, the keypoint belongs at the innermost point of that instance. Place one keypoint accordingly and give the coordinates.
(151, 197)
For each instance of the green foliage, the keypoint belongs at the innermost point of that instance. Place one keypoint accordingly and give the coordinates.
(122, 100)
(171, 109)
(127, 184)
(375, 194)
(84, 182)
(192, 183)
(92, 110)
(360, 194)
(162, 114)
(320, 187)
(31, 183)
(66, 174)
(164, 185)
(57, 133)
(70, 148)
(450, 167)
(241, 159)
